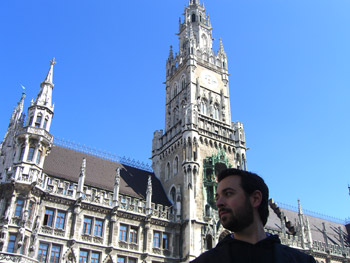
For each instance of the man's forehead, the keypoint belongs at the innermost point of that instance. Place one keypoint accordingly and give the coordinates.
(231, 181)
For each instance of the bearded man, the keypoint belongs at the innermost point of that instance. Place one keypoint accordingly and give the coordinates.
(242, 202)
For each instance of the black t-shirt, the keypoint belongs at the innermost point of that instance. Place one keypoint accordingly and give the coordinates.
(261, 252)
(269, 250)
(232, 250)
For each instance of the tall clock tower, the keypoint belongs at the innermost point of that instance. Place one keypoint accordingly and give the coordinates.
(199, 139)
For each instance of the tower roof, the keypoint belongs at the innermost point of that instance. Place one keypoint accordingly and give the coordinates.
(49, 75)
(45, 94)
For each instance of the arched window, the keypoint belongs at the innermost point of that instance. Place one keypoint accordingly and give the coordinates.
(193, 17)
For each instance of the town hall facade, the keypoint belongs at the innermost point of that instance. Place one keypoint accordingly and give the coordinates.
(62, 204)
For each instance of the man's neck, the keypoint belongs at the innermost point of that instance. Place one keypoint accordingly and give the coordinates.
(252, 234)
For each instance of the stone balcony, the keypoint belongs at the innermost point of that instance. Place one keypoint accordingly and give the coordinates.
(11, 257)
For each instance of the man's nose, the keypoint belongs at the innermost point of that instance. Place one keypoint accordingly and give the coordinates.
(219, 202)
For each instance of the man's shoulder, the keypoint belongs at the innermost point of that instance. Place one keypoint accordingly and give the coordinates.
(294, 254)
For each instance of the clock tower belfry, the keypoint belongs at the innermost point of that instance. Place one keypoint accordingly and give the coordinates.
(199, 139)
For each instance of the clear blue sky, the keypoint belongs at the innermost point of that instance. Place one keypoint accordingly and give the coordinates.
(290, 76)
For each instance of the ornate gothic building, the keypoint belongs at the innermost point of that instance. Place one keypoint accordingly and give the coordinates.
(61, 204)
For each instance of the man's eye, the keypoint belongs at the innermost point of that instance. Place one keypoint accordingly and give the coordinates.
(228, 193)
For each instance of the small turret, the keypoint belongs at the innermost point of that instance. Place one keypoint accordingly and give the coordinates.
(116, 188)
(171, 53)
(149, 196)
(221, 47)
(81, 181)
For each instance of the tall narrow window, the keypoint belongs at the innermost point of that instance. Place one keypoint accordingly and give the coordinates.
(173, 195)
(38, 121)
(45, 123)
(19, 207)
(95, 257)
(133, 235)
(11, 244)
(216, 112)
(208, 242)
(60, 219)
(176, 165)
(30, 154)
(38, 157)
(193, 18)
(122, 233)
(121, 259)
(55, 254)
(156, 239)
(98, 227)
(30, 121)
(165, 241)
(204, 107)
(48, 218)
(87, 225)
(42, 252)
(83, 256)
(167, 170)
(21, 153)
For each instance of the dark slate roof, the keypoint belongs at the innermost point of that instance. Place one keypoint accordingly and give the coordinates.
(316, 225)
(65, 163)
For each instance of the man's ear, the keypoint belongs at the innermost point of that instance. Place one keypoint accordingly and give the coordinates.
(256, 198)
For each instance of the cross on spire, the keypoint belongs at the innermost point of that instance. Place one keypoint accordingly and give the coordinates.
(53, 62)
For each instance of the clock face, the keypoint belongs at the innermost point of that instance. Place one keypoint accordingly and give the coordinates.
(209, 79)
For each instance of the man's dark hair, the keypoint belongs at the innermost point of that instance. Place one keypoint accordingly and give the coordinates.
(251, 182)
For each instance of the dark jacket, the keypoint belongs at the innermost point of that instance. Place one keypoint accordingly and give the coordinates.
(268, 250)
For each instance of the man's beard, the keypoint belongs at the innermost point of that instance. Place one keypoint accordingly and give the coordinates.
(240, 219)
